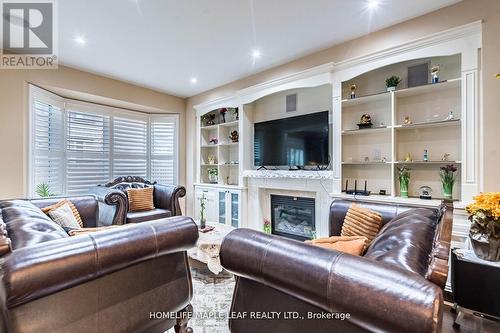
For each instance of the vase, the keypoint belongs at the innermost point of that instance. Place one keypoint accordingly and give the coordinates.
(212, 178)
(391, 88)
(485, 246)
(203, 223)
(403, 189)
(448, 191)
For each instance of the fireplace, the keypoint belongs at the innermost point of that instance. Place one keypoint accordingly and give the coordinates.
(293, 217)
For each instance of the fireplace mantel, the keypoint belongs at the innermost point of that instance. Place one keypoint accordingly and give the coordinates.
(298, 174)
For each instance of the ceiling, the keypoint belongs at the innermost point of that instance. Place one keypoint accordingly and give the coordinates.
(162, 44)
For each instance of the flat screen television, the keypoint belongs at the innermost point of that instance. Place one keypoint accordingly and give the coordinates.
(295, 142)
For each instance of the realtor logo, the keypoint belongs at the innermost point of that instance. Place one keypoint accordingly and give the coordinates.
(29, 37)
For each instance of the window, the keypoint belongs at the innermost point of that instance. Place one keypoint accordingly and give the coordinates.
(76, 145)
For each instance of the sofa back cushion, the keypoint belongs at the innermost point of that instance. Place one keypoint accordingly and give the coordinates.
(87, 207)
(407, 240)
(27, 225)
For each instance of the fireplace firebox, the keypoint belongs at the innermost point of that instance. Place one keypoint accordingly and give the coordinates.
(293, 217)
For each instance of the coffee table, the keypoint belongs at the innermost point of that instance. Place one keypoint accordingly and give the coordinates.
(207, 248)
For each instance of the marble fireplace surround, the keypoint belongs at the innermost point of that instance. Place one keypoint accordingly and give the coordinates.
(307, 184)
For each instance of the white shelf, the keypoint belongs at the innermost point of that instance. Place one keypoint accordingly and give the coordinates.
(229, 164)
(223, 186)
(366, 99)
(230, 124)
(367, 163)
(430, 124)
(210, 146)
(224, 144)
(428, 88)
(388, 198)
(428, 162)
(366, 130)
(210, 127)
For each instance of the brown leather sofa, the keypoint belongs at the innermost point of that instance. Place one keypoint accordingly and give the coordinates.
(394, 287)
(125, 279)
(113, 202)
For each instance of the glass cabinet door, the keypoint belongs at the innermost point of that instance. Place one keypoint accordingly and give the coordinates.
(234, 210)
(222, 207)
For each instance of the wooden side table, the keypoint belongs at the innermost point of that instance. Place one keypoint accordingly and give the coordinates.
(476, 286)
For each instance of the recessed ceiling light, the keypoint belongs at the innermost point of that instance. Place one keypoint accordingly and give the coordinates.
(80, 40)
(372, 4)
(256, 54)
(193, 80)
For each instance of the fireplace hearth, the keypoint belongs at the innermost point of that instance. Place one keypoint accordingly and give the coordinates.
(293, 217)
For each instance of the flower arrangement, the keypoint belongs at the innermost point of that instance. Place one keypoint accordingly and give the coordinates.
(404, 180)
(267, 226)
(484, 214)
(213, 173)
(392, 82)
(448, 178)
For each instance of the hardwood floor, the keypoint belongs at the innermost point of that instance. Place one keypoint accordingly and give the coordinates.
(471, 324)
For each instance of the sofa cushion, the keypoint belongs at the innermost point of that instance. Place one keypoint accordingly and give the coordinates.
(27, 225)
(354, 245)
(154, 214)
(140, 199)
(74, 210)
(406, 241)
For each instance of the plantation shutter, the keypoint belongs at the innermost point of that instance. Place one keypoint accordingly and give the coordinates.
(164, 149)
(47, 145)
(88, 146)
(130, 146)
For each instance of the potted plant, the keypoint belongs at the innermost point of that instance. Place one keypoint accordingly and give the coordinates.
(404, 180)
(448, 177)
(213, 173)
(203, 201)
(43, 190)
(484, 214)
(267, 226)
(392, 82)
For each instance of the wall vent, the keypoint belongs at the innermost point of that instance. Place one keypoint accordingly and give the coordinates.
(291, 103)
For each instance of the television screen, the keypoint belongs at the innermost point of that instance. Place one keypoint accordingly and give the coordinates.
(296, 141)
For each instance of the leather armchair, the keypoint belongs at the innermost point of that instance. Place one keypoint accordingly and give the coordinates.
(394, 287)
(113, 202)
(106, 281)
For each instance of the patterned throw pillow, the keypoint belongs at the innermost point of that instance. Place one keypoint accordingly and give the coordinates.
(76, 214)
(140, 199)
(361, 221)
(64, 217)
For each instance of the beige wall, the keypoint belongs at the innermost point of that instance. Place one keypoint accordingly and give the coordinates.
(14, 113)
(462, 13)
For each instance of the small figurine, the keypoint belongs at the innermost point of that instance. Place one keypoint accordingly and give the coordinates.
(408, 158)
(450, 116)
(234, 136)
(382, 124)
(365, 121)
(209, 119)
(223, 114)
(445, 157)
(236, 114)
(407, 121)
(211, 159)
(214, 141)
(384, 159)
(434, 72)
(426, 156)
(353, 91)
(366, 159)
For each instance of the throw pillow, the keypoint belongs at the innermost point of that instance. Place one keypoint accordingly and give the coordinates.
(361, 221)
(76, 214)
(85, 231)
(64, 217)
(354, 245)
(140, 199)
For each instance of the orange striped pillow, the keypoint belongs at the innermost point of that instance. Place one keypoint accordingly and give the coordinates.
(76, 214)
(140, 199)
(361, 221)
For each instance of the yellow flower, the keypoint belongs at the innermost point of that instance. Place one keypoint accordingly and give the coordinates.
(487, 203)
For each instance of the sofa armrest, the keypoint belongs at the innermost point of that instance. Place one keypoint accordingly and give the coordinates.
(378, 297)
(33, 272)
(167, 197)
(113, 205)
